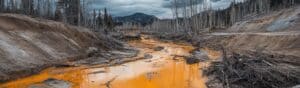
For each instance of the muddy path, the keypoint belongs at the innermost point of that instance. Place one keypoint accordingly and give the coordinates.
(162, 65)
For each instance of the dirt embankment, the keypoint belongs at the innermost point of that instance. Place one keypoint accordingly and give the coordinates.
(275, 33)
(29, 45)
(276, 21)
(271, 43)
(261, 53)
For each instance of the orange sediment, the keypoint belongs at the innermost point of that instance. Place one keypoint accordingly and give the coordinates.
(162, 71)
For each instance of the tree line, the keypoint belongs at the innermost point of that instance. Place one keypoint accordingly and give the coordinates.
(75, 12)
(193, 18)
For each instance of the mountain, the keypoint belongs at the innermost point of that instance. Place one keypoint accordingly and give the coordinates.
(137, 18)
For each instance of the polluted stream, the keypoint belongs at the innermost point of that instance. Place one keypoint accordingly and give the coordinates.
(163, 66)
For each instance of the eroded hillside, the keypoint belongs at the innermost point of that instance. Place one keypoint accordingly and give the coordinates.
(277, 33)
(29, 45)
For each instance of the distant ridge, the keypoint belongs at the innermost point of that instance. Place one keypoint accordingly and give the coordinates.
(136, 18)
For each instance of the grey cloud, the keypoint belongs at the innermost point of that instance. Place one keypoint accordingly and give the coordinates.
(216, 0)
(180, 3)
(159, 8)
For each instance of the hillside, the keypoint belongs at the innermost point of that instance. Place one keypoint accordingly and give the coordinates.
(29, 45)
(277, 32)
(277, 21)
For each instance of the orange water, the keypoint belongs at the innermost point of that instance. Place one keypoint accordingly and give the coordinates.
(162, 71)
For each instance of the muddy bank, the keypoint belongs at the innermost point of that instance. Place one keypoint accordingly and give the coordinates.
(28, 45)
(264, 43)
(158, 68)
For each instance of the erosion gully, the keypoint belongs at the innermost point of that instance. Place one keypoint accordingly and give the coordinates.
(164, 70)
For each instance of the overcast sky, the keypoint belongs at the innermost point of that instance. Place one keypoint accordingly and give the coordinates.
(159, 8)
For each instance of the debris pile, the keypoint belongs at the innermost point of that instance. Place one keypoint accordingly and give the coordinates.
(255, 71)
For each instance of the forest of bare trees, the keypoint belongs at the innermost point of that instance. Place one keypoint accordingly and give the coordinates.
(188, 16)
(75, 12)
(194, 18)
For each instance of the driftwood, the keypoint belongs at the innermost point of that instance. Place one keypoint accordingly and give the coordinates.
(257, 71)
(178, 56)
(108, 83)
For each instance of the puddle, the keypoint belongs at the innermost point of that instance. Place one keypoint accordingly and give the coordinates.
(161, 71)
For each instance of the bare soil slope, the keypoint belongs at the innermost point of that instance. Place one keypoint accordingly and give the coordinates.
(277, 21)
(28, 45)
(274, 33)
(284, 43)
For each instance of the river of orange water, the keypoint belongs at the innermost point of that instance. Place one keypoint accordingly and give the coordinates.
(163, 70)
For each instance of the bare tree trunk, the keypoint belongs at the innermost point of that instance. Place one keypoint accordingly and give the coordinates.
(176, 14)
(79, 13)
(94, 19)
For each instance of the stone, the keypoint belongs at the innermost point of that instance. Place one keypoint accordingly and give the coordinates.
(159, 48)
(148, 56)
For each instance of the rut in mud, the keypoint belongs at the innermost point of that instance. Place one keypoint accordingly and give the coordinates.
(160, 67)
